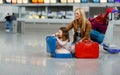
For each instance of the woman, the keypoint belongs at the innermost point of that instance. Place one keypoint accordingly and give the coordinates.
(81, 27)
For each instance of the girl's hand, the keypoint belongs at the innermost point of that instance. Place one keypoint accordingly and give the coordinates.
(56, 34)
(53, 35)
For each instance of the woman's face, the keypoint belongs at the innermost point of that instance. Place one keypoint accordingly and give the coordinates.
(77, 14)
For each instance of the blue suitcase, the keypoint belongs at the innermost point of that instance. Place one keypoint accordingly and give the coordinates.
(51, 44)
(51, 47)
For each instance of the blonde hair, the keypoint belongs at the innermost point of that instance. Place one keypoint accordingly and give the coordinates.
(83, 17)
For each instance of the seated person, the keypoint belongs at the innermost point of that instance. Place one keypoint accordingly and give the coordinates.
(62, 37)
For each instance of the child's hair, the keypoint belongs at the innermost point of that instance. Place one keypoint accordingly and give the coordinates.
(65, 35)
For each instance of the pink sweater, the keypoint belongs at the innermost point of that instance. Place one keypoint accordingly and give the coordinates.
(61, 44)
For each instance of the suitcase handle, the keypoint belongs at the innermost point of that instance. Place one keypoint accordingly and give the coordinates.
(87, 41)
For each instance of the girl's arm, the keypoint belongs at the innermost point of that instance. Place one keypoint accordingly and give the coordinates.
(61, 42)
(56, 34)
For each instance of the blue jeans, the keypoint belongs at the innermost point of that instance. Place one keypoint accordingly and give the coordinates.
(9, 25)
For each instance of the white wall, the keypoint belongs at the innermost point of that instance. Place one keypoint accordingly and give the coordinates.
(4, 9)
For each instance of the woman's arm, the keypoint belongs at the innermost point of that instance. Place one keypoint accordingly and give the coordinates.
(87, 31)
(70, 26)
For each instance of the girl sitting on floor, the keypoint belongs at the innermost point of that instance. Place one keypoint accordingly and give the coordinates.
(62, 37)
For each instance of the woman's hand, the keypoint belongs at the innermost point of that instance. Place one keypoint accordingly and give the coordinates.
(81, 40)
(72, 48)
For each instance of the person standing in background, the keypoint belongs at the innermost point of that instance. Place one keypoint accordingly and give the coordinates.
(13, 19)
(8, 22)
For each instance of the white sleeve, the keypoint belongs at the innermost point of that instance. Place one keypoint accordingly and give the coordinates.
(61, 42)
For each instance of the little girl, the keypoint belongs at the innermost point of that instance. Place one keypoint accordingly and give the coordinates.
(62, 37)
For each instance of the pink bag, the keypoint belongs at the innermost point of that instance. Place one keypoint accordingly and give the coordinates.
(100, 22)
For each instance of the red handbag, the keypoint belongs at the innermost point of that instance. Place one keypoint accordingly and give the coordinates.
(87, 49)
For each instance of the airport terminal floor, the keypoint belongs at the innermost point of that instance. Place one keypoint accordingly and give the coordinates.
(25, 54)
